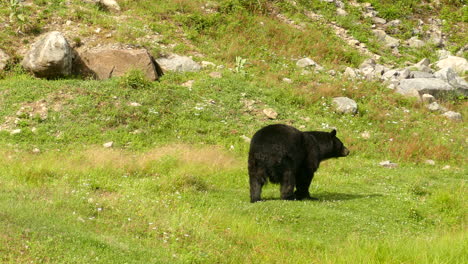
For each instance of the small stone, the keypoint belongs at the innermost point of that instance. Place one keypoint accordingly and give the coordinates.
(287, 80)
(446, 167)
(427, 98)
(216, 75)
(270, 113)
(345, 105)
(388, 164)
(108, 144)
(365, 135)
(188, 83)
(36, 150)
(16, 131)
(306, 62)
(455, 116)
(206, 64)
(245, 138)
(341, 12)
(98, 30)
(435, 107)
(430, 162)
(68, 23)
(135, 104)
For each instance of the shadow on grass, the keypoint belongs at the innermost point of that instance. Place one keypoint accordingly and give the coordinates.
(330, 197)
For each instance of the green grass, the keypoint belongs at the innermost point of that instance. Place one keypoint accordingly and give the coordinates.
(174, 186)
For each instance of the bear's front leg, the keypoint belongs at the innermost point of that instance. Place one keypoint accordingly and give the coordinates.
(287, 186)
(303, 181)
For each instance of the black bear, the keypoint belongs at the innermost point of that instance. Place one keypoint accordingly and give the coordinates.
(282, 154)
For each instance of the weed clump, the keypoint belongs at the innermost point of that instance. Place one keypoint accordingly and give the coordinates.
(134, 79)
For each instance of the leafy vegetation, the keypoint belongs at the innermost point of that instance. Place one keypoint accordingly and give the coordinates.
(174, 189)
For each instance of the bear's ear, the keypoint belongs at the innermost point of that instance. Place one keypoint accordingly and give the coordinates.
(333, 133)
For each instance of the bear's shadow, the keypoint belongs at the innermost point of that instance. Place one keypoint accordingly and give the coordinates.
(329, 197)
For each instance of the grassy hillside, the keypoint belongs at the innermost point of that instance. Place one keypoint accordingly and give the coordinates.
(174, 187)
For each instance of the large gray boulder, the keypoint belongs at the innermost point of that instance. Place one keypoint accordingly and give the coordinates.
(3, 59)
(49, 57)
(178, 63)
(107, 62)
(436, 87)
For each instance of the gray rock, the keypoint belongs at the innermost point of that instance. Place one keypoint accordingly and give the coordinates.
(388, 164)
(178, 63)
(341, 12)
(459, 64)
(453, 115)
(306, 62)
(107, 62)
(270, 113)
(49, 57)
(427, 98)
(443, 54)
(345, 105)
(394, 23)
(379, 20)
(420, 74)
(414, 42)
(3, 59)
(436, 87)
(435, 107)
(350, 73)
(450, 76)
(368, 63)
(388, 40)
(110, 5)
(423, 62)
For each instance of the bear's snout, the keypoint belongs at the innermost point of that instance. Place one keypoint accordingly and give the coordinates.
(345, 152)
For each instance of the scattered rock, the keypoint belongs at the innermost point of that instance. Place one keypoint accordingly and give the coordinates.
(379, 20)
(446, 167)
(287, 80)
(341, 12)
(134, 104)
(414, 42)
(458, 64)
(365, 135)
(306, 62)
(245, 138)
(110, 5)
(420, 74)
(345, 105)
(430, 162)
(450, 76)
(3, 59)
(188, 83)
(270, 113)
(453, 115)
(178, 63)
(107, 62)
(49, 57)
(36, 151)
(216, 75)
(388, 40)
(435, 107)
(350, 73)
(108, 144)
(436, 87)
(207, 64)
(427, 98)
(388, 164)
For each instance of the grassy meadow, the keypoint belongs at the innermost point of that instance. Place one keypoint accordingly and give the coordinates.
(173, 188)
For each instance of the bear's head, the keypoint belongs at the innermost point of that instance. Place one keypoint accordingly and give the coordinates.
(339, 150)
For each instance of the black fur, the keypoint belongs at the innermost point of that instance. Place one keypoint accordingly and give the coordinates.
(282, 154)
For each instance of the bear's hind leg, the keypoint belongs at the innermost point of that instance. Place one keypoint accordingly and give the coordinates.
(287, 186)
